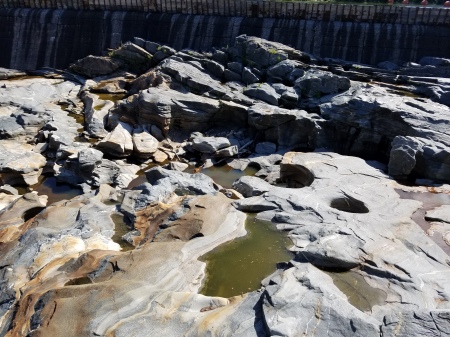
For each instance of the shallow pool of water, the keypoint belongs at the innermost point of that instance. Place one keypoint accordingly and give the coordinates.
(120, 229)
(239, 266)
(222, 175)
(225, 175)
(429, 201)
(55, 190)
(359, 293)
(109, 97)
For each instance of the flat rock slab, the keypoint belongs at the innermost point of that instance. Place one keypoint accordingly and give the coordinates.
(19, 163)
(441, 214)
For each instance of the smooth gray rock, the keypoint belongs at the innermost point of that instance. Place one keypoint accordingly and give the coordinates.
(144, 144)
(161, 184)
(441, 214)
(261, 53)
(316, 83)
(162, 53)
(151, 47)
(10, 128)
(402, 158)
(10, 73)
(250, 186)
(334, 225)
(305, 300)
(176, 166)
(387, 65)
(118, 142)
(8, 189)
(263, 92)
(209, 144)
(235, 67)
(133, 57)
(214, 67)
(232, 76)
(95, 111)
(93, 66)
(227, 152)
(282, 70)
(89, 158)
(19, 164)
(198, 81)
(248, 77)
(287, 127)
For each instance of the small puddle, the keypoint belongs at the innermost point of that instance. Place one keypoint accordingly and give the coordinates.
(120, 229)
(222, 175)
(359, 293)
(239, 266)
(79, 118)
(55, 190)
(225, 175)
(429, 201)
(109, 97)
(79, 281)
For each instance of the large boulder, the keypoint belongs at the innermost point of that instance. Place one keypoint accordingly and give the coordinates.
(261, 53)
(196, 78)
(316, 83)
(132, 57)
(287, 127)
(119, 142)
(93, 66)
(263, 92)
(19, 164)
(144, 144)
(282, 71)
(366, 119)
(169, 109)
(209, 144)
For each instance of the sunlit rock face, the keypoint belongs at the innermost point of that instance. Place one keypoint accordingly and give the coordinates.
(122, 255)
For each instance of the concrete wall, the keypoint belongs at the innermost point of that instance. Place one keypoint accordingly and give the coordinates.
(33, 38)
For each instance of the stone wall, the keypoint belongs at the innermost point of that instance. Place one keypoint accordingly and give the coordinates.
(33, 38)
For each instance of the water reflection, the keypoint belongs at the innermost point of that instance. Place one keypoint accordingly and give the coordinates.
(239, 266)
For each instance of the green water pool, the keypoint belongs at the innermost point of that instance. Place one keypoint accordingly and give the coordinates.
(239, 266)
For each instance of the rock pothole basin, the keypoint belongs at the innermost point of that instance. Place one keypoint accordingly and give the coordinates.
(238, 267)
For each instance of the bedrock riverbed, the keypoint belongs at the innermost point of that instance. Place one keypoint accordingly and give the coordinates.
(341, 157)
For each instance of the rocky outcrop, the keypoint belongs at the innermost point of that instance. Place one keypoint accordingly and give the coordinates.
(20, 164)
(128, 250)
(323, 240)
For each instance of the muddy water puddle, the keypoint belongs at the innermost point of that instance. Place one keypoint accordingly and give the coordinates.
(50, 187)
(239, 266)
(55, 190)
(225, 175)
(120, 229)
(109, 97)
(222, 175)
(429, 201)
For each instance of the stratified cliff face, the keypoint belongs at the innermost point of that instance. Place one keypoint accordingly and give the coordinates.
(33, 38)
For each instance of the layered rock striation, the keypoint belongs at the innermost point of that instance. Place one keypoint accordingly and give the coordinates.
(122, 258)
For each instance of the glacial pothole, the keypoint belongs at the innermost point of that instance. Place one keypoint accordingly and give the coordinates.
(295, 176)
(239, 266)
(349, 204)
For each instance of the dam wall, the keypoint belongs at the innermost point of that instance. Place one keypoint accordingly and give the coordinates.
(32, 37)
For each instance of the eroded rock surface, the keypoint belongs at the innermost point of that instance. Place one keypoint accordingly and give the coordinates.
(123, 258)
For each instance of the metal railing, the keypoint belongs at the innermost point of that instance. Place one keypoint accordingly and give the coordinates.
(256, 8)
